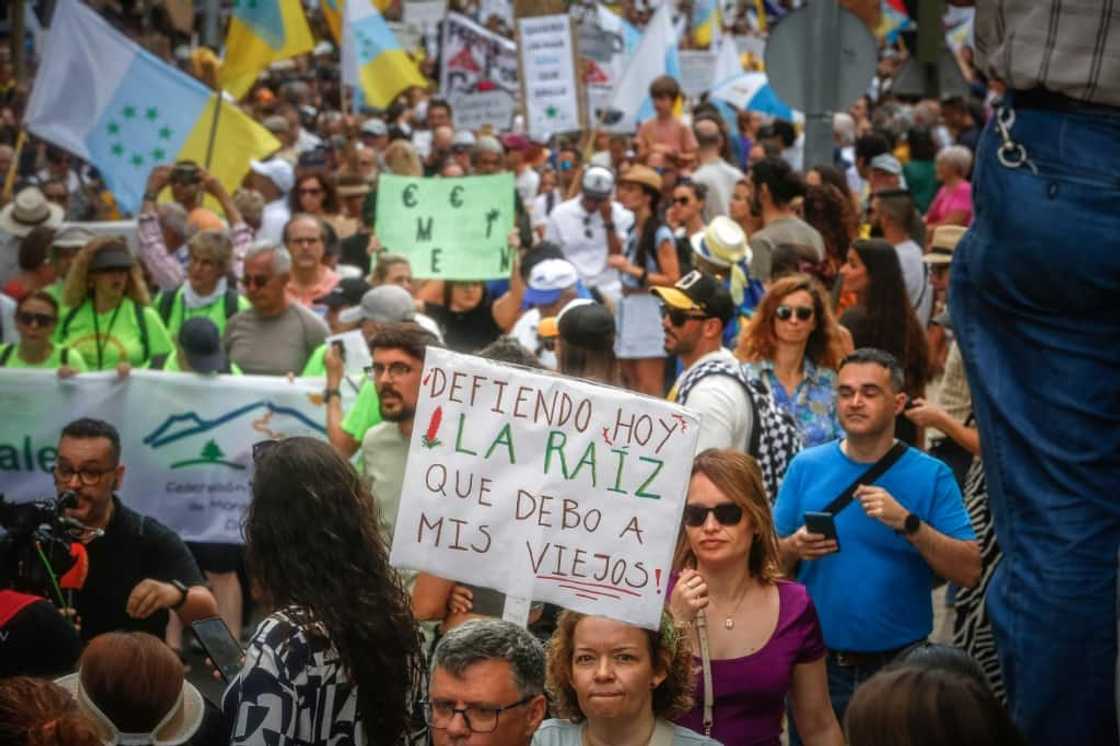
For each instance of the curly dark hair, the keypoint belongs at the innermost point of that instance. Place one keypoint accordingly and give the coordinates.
(312, 543)
(37, 712)
(827, 209)
(670, 651)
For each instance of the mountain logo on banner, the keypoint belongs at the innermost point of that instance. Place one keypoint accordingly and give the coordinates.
(211, 455)
(464, 61)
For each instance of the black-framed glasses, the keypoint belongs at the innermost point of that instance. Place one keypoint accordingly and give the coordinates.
(261, 447)
(395, 370)
(86, 476)
(30, 318)
(679, 317)
(256, 281)
(439, 714)
(727, 514)
(785, 313)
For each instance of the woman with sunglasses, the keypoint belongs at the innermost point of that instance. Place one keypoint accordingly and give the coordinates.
(315, 194)
(107, 314)
(686, 213)
(793, 345)
(36, 317)
(758, 636)
(338, 658)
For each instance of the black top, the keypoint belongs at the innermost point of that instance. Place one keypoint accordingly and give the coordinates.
(134, 547)
(36, 640)
(467, 331)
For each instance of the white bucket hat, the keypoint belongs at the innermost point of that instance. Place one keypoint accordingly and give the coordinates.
(29, 210)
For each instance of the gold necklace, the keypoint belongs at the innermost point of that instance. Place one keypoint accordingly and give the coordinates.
(729, 621)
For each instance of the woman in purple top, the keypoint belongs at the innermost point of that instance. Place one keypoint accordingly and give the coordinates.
(762, 633)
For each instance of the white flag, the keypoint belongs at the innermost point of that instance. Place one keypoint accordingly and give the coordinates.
(656, 55)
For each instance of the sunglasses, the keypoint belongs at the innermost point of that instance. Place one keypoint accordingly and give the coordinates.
(29, 318)
(311, 190)
(256, 281)
(681, 200)
(727, 514)
(678, 317)
(785, 313)
(565, 165)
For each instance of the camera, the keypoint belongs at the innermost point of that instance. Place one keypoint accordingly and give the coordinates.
(35, 548)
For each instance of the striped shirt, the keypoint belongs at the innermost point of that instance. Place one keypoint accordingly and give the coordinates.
(1070, 47)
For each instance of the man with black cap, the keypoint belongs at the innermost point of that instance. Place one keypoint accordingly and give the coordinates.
(589, 228)
(693, 315)
(198, 349)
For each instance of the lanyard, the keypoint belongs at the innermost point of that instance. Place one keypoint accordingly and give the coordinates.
(97, 331)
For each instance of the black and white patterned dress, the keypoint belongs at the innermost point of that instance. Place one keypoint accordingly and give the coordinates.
(291, 691)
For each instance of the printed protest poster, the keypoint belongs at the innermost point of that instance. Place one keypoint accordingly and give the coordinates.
(478, 74)
(548, 75)
(455, 229)
(606, 44)
(186, 439)
(544, 487)
(697, 69)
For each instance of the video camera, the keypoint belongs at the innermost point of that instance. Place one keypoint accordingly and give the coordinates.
(38, 548)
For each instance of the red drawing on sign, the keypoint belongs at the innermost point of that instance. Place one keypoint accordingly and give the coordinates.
(594, 74)
(589, 587)
(607, 436)
(683, 421)
(464, 61)
(429, 440)
(657, 574)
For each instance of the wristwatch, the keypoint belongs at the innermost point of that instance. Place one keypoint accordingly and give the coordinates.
(912, 524)
(328, 393)
(182, 588)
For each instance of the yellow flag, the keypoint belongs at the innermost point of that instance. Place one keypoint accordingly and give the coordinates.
(260, 33)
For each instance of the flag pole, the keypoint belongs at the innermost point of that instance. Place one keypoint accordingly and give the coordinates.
(213, 128)
(10, 177)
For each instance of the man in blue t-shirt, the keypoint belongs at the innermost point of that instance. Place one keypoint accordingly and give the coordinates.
(871, 585)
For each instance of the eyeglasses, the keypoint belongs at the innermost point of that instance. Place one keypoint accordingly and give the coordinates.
(678, 317)
(29, 318)
(785, 313)
(479, 719)
(257, 281)
(681, 200)
(311, 190)
(395, 370)
(88, 477)
(727, 514)
(305, 240)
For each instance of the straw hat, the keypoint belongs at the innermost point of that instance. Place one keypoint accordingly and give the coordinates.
(29, 210)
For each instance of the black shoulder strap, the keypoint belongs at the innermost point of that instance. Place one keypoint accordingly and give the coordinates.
(70, 317)
(230, 302)
(167, 304)
(878, 469)
(64, 356)
(6, 354)
(158, 361)
(142, 326)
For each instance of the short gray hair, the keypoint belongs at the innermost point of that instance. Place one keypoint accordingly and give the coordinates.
(957, 156)
(281, 258)
(173, 216)
(481, 640)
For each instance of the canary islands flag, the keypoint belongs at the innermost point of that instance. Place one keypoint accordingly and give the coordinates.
(103, 98)
(261, 32)
(705, 22)
(373, 62)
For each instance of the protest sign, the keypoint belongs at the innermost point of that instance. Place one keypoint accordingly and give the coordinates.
(606, 43)
(544, 487)
(455, 229)
(697, 69)
(354, 349)
(550, 87)
(424, 14)
(478, 74)
(186, 439)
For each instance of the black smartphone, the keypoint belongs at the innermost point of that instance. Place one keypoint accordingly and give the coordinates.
(822, 523)
(220, 645)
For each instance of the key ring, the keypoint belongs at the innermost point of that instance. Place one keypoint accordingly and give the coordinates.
(1011, 154)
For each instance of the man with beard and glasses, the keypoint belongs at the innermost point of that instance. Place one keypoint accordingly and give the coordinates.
(398, 360)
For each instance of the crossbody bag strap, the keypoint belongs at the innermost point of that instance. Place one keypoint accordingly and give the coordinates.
(6, 353)
(706, 664)
(878, 469)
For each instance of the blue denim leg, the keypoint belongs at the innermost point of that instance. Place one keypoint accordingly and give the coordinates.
(1035, 298)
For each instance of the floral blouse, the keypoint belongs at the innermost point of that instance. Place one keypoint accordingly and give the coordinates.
(813, 403)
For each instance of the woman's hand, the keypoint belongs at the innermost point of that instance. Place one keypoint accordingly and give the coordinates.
(619, 262)
(690, 596)
(461, 600)
(924, 414)
(123, 369)
(65, 371)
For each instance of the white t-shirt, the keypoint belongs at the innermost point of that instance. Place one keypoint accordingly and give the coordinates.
(726, 417)
(274, 217)
(916, 278)
(8, 331)
(720, 177)
(583, 239)
(527, 183)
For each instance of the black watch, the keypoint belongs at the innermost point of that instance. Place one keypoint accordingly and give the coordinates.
(912, 524)
(182, 588)
(328, 393)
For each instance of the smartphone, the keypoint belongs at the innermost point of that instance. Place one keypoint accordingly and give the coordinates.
(220, 645)
(340, 348)
(822, 523)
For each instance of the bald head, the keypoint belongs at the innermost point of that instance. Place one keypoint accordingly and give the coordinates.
(707, 134)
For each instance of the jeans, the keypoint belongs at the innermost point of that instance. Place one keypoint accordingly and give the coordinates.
(1035, 300)
(842, 684)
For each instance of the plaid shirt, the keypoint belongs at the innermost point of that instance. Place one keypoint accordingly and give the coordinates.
(1071, 47)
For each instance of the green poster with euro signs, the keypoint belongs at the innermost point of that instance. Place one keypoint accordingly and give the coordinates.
(453, 229)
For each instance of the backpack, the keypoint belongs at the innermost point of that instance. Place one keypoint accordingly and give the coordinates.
(138, 312)
(774, 439)
(167, 303)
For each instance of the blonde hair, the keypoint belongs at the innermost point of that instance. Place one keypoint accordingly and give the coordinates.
(401, 159)
(214, 245)
(77, 289)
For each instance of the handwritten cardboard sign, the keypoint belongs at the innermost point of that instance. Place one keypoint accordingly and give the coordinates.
(544, 487)
(455, 229)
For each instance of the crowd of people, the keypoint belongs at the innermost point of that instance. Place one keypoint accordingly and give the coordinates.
(898, 527)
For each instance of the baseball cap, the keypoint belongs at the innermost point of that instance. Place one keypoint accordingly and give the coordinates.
(698, 291)
(943, 244)
(276, 124)
(375, 127)
(348, 292)
(589, 325)
(597, 182)
(489, 144)
(385, 304)
(515, 142)
(113, 256)
(548, 279)
(549, 326)
(201, 343)
(278, 171)
(73, 237)
(886, 162)
(722, 242)
(463, 139)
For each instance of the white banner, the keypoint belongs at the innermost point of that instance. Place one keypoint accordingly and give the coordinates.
(548, 66)
(544, 487)
(606, 43)
(186, 440)
(478, 74)
(697, 68)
